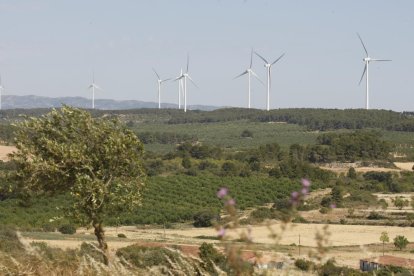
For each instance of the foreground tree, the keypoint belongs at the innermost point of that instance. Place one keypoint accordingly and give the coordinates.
(98, 161)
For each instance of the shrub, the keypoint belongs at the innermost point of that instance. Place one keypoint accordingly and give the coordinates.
(326, 201)
(400, 242)
(204, 218)
(121, 235)
(342, 221)
(186, 162)
(246, 134)
(92, 250)
(374, 216)
(303, 264)
(9, 241)
(48, 227)
(324, 210)
(67, 229)
(400, 203)
(299, 219)
(352, 173)
(211, 257)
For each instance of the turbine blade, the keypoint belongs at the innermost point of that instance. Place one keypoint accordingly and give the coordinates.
(363, 74)
(381, 60)
(97, 87)
(158, 76)
(238, 76)
(192, 81)
(363, 45)
(165, 80)
(278, 59)
(257, 77)
(251, 59)
(261, 57)
(179, 78)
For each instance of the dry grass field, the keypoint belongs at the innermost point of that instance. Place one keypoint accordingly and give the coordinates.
(348, 243)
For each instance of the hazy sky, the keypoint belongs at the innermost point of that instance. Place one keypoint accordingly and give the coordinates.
(50, 47)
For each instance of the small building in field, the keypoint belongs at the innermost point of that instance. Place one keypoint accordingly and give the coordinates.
(376, 263)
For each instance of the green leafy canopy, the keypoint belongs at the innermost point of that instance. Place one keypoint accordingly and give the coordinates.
(97, 160)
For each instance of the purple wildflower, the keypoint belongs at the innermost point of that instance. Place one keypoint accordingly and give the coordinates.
(304, 191)
(294, 195)
(305, 183)
(222, 192)
(231, 202)
(221, 232)
(332, 206)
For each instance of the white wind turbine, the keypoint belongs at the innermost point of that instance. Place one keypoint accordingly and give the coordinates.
(268, 67)
(93, 86)
(367, 60)
(180, 87)
(160, 81)
(250, 72)
(184, 77)
(1, 91)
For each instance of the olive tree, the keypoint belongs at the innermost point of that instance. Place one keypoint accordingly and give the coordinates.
(97, 161)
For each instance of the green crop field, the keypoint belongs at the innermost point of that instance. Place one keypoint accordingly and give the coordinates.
(228, 134)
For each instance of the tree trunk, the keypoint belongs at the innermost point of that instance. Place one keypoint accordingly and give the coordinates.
(100, 236)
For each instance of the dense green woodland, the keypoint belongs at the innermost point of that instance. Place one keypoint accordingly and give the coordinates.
(313, 119)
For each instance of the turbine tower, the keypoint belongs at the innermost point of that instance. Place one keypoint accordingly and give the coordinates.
(367, 60)
(159, 87)
(93, 86)
(184, 77)
(1, 91)
(269, 81)
(180, 87)
(250, 72)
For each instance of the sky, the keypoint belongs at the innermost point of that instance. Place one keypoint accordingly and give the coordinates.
(51, 47)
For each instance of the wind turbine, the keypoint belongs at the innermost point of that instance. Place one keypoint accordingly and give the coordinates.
(159, 87)
(268, 67)
(1, 90)
(250, 72)
(93, 86)
(186, 76)
(180, 87)
(367, 60)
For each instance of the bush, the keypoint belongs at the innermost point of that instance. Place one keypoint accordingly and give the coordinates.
(9, 241)
(247, 134)
(303, 264)
(121, 235)
(204, 218)
(400, 242)
(324, 210)
(48, 227)
(374, 216)
(67, 229)
(211, 257)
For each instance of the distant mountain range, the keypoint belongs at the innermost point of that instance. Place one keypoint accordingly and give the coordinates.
(32, 101)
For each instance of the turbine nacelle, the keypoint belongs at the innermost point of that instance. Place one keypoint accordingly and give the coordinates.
(367, 59)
